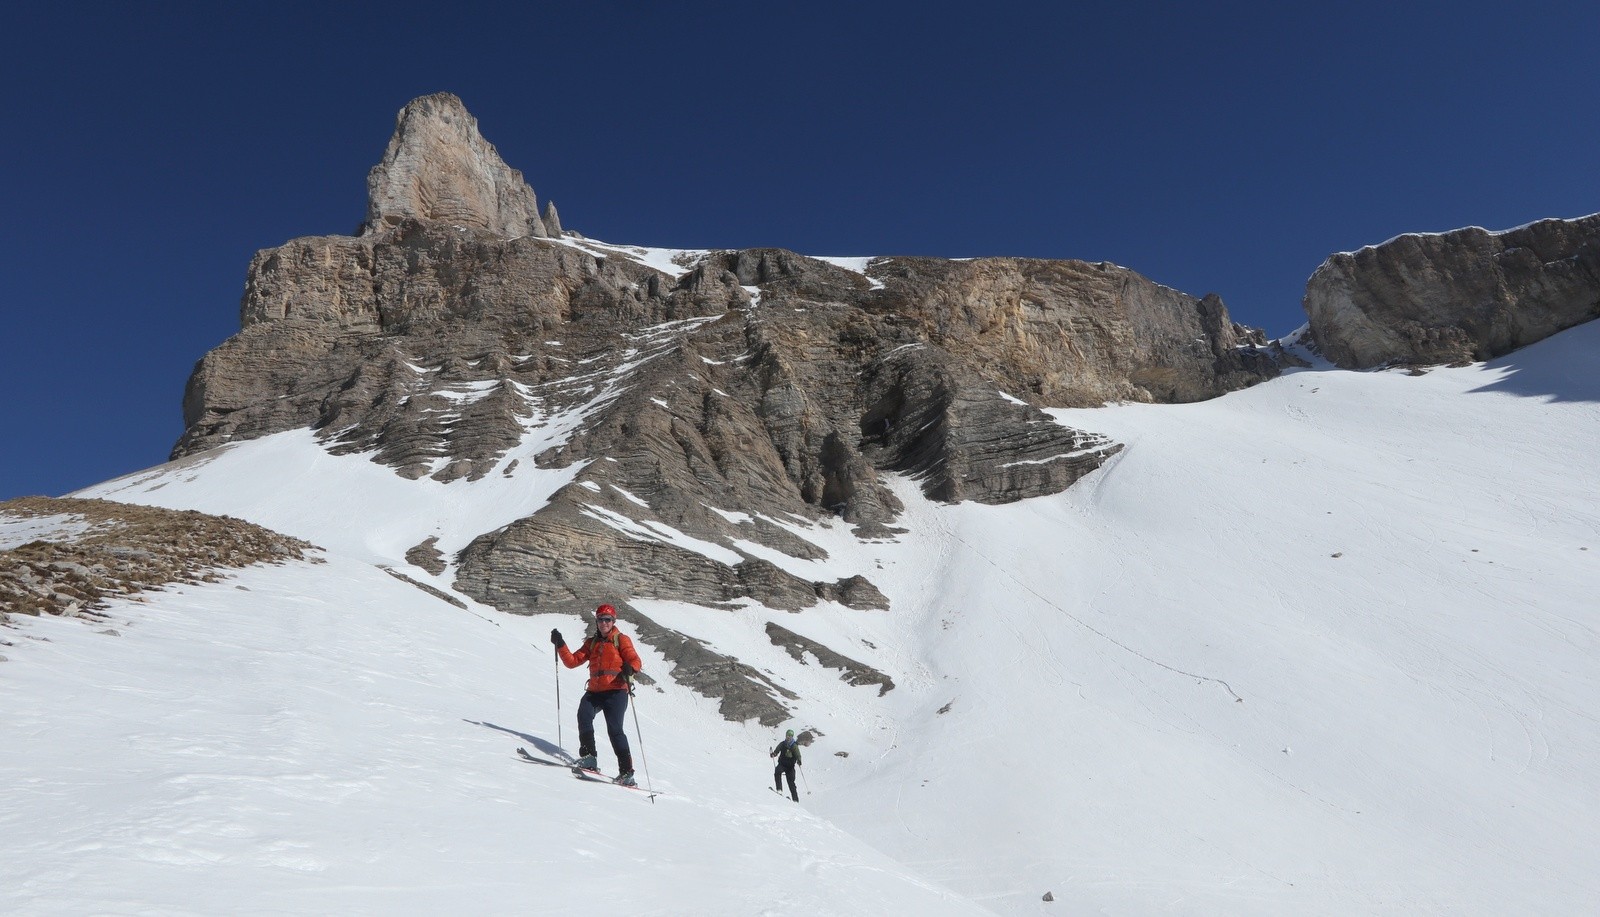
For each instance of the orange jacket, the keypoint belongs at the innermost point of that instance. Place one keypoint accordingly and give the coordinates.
(605, 658)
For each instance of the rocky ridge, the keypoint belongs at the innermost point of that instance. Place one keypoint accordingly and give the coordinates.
(718, 404)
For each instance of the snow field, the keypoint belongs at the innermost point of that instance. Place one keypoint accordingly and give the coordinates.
(1323, 646)
(327, 739)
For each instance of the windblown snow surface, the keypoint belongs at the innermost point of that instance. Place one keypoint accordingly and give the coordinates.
(1324, 646)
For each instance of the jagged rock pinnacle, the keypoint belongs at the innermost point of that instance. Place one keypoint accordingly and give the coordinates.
(438, 167)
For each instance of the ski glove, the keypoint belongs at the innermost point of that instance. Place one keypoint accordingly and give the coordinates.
(555, 639)
(627, 671)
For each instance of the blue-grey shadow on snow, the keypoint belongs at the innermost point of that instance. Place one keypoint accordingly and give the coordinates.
(543, 746)
(1562, 367)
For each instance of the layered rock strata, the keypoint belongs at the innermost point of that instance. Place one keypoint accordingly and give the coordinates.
(439, 167)
(1458, 296)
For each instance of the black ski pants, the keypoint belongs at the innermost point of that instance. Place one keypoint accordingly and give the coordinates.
(614, 704)
(784, 769)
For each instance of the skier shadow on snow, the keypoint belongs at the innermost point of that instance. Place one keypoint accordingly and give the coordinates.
(542, 745)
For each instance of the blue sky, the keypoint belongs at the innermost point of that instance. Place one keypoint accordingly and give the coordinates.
(151, 149)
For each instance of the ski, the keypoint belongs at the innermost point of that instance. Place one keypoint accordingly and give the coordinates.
(583, 773)
(593, 776)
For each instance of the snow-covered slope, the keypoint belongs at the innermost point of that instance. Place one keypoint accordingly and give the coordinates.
(1327, 645)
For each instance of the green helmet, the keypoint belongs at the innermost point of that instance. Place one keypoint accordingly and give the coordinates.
(789, 734)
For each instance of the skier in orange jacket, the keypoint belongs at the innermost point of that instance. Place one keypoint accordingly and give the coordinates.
(612, 661)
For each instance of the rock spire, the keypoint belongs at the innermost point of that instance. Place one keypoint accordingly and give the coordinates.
(438, 167)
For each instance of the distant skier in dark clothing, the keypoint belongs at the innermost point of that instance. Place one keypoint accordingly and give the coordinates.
(788, 755)
(612, 661)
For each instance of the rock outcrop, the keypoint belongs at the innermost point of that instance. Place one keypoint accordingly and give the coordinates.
(712, 407)
(1076, 334)
(1457, 296)
(123, 550)
(742, 691)
(438, 167)
(850, 671)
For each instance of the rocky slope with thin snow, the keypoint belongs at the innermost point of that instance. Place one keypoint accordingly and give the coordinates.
(70, 557)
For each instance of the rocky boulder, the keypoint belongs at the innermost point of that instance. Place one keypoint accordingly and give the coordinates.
(1458, 296)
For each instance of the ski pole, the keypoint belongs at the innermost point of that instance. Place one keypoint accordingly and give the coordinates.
(803, 780)
(642, 758)
(559, 743)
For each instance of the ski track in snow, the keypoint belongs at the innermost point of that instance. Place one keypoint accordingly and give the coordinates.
(1323, 646)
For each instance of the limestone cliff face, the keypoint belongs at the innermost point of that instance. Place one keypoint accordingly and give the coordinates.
(438, 167)
(713, 402)
(1456, 296)
(1075, 334)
